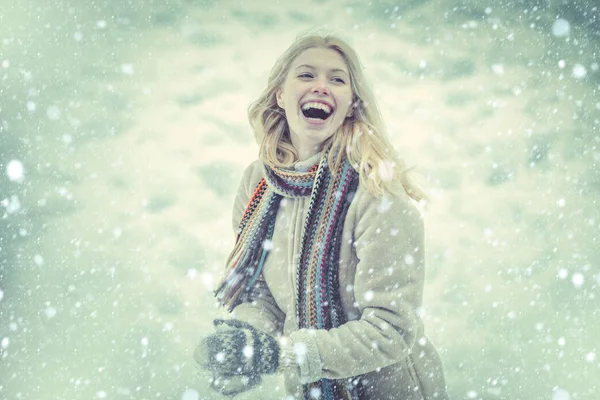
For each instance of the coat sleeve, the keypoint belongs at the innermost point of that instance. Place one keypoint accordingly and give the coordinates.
(262, 311)
(388, 286)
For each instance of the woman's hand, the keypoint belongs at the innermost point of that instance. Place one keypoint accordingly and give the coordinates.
(237, 354)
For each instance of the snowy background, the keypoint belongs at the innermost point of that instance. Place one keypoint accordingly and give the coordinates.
(123, 136)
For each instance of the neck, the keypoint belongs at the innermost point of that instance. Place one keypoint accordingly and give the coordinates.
(306, 153)
(306, 150)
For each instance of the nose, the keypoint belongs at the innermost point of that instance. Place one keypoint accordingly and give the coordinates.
(320, 87)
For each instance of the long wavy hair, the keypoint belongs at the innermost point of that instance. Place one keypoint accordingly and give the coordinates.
(361, 137)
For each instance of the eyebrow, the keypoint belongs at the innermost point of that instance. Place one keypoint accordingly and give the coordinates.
(311, 67)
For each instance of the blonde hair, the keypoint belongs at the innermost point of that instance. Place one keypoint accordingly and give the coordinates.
(360, 136)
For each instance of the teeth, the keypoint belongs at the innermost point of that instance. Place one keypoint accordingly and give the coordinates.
(321, 106)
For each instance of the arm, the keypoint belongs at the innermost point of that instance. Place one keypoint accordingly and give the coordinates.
(388, 291)
(262, 312)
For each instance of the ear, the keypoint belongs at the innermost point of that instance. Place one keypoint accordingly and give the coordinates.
(352, 107)
(278, 96)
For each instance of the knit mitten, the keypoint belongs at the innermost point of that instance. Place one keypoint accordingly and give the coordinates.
(237, 348)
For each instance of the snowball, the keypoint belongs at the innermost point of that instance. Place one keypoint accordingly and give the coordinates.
(590, 357)
(117, 232)
(422, 64)
(471, 394)
(15, 171)
(1, 294)
(561, 341)
(369, 295)
(30, 106)
(267, 245)
(144, 341)
(560, 27)
(220, 357)
(577, 280)
(38, 260)
(5, 64)
(53, 112)
(561, 202)
(5, 342)
(315, 393)
(101, 394)
(561, 64)
(248, 351)
(409, 259)
(78, 36)
(578, 71)
(101, 24)
(560, 394)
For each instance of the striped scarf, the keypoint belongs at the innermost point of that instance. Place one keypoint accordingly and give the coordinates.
(318, 305)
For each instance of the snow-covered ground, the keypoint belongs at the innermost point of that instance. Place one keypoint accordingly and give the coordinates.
(123, 136)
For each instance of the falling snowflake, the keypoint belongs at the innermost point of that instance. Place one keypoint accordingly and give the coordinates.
(577, 280)
(53, 112)
(561, 28)
(15, 171)
(578, 71)
(561, 394)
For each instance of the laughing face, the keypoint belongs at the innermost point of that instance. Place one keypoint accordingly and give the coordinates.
(316, 96)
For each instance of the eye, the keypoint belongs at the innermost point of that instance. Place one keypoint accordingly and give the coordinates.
(338, 80)
(305, 75)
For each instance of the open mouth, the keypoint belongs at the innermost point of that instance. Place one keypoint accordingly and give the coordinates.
(317, 111)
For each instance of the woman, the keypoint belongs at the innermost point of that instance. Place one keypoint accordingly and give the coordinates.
(326, 277)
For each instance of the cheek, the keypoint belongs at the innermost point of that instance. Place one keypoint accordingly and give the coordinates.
(345, 104)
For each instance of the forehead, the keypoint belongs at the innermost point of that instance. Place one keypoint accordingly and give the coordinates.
(320, 58)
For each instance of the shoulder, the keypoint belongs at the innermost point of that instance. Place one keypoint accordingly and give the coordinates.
(253, 173)
(254, 170)
(393, 207)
